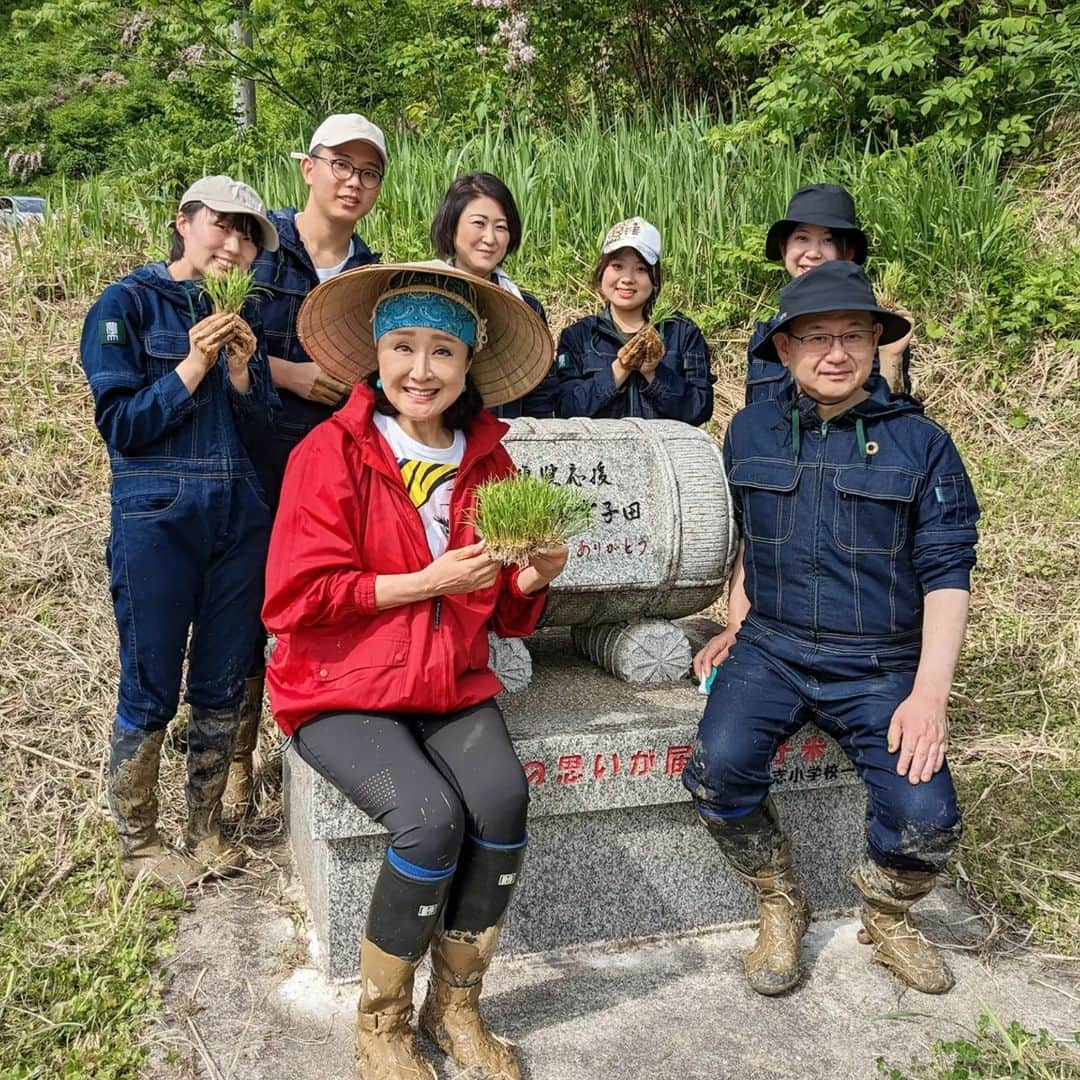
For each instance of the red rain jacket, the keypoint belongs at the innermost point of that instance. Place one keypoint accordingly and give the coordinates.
(344, 516)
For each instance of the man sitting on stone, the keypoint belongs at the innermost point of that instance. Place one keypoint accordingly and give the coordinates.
(848, 608)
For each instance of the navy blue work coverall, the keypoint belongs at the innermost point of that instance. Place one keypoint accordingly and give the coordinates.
(284, 278)
(681, 388)
(539, 403)
(767, 379)
(847, 525)
(190, 521)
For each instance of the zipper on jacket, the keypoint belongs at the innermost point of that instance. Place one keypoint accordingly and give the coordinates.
(436, 615)
(816, 529)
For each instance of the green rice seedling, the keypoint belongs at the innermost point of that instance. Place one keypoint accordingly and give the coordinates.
(229, 292)
(522, 515)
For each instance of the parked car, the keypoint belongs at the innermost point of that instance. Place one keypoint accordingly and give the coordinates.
(16, 208)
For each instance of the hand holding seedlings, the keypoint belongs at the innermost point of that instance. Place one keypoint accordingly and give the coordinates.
(462, 570)
(550, 562)
(206, 339)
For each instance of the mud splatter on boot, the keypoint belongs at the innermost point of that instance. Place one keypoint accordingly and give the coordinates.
(385, 1045)
(899, 944)
(211, 736)
(236, 799)
(450, 1015)
(134, 760)
(761, 855)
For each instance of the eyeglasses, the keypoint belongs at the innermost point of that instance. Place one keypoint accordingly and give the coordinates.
(851, 340)
(343, 170)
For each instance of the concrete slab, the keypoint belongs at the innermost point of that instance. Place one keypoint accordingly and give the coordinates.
(244, 1000)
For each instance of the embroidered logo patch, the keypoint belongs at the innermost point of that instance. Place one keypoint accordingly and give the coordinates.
(507, 879)
(427, 909)
(563, 361)
(111, 332)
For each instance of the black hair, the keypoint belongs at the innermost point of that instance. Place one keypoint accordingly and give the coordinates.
(462, 191)
(247, 225)
(459, 415)
(656, 275)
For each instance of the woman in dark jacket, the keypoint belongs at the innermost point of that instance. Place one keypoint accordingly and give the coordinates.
(597, 372)
(475, 228)
(180, 396)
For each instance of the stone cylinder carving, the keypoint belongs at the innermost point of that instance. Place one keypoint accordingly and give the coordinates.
(664, 539)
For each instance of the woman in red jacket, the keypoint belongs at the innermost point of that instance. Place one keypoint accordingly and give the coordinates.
(381, 598)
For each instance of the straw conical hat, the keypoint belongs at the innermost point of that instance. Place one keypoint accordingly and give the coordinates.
(334, 327)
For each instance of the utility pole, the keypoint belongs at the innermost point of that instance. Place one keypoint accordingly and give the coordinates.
(243, 89)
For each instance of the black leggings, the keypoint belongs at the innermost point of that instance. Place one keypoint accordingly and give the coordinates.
(430, 779)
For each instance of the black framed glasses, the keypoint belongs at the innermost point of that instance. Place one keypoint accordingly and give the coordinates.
(851, 340)
(344, 169)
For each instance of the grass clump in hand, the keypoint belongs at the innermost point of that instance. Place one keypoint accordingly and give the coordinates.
(229, 292)
(522, 515)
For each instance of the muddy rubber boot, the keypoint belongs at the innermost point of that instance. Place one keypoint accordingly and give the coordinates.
(402, 915)
(134, 759)
(888, 896)
(460, 955)
(236, 800)
(385, 1045)
(211, 735)
(761, 855)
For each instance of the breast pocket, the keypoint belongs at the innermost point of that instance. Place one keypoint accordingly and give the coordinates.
(165, 349)
(872, 509)
(767, 490)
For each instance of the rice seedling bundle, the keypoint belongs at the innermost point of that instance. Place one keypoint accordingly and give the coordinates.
(522, 515)
(229, 292)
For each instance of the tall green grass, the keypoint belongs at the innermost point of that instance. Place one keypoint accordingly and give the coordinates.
(946, 215)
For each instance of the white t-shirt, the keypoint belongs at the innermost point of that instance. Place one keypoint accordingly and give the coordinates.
(327, 272)
(428, 473)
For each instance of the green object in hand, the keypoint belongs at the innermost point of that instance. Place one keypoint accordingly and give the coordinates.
(521, 515)
(229, 292)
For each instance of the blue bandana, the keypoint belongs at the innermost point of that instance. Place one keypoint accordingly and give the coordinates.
(434, 310)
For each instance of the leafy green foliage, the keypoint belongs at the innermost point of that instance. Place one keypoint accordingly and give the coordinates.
(523, 514)
(959, 71)
(993, 1050)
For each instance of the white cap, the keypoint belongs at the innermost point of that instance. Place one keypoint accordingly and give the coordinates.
(346, 127)
(228, 196)
(634, 233)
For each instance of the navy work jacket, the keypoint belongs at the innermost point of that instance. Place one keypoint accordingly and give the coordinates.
(848, 523)
(682, 384)
(285, 277)
(134, 336)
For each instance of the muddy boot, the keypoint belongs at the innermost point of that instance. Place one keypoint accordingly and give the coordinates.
(134, 758)
(888, 896)
(460, 955)
(402, 916)
(761, 855)
(211, 734)
(237, 798)
(385, 1045)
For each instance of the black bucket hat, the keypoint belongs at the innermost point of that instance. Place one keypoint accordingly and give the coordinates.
(827, 205)
(832, 286)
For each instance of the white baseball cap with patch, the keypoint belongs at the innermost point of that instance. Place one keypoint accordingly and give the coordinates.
(634, 233)
(342, 128)
(225, 195)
